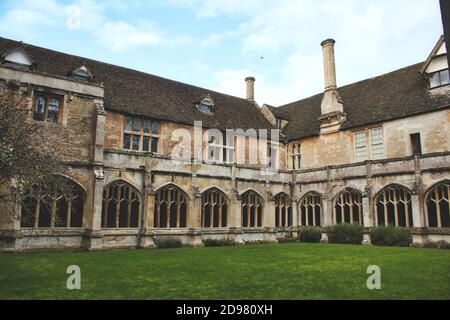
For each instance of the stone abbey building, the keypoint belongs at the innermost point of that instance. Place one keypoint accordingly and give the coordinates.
(375, 152)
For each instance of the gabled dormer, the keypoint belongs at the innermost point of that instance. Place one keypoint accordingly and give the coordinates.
(17, 58)
(276, 116)
(435, 70)
(207, 105)
(81, 74)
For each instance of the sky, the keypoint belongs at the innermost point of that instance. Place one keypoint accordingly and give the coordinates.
(216, 44)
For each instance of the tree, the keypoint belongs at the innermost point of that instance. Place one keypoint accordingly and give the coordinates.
(29, 159)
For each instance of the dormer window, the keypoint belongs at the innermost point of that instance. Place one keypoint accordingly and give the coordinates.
(206, 105)
(439, 79)
(17, 58)
(279, 123)
(82, 74)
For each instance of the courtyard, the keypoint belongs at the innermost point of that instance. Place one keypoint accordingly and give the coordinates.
(284, 271)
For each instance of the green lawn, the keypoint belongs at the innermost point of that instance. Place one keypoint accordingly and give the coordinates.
(284, 271)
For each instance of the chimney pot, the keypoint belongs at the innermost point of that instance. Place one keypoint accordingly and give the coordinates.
(250, 81)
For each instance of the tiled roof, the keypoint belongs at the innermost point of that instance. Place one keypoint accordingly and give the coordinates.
(395, 95)
(139, 93)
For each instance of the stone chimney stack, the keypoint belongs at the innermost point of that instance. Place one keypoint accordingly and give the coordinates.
(250, 81)
(332, 108)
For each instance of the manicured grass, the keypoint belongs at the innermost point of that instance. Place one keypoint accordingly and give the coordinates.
(284, 271)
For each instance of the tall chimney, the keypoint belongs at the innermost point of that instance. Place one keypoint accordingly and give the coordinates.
(331, 100)
(332, 108)
(250, 81)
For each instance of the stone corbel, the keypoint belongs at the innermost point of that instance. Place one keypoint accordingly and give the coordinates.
(367, 190)
(99, 107)
(236, 194)
(270, 196)
(99, 174)
(197, 192)
(416, 188)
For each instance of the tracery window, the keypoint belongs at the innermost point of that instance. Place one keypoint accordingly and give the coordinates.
(47, 108)
(438, 206)
(140, 135)
(252, 210)
(121, 206)
(171, 206)
(348, 207)
(311, 210)
(214, 209)
(393, 205)
(283, 211)
(62, 208)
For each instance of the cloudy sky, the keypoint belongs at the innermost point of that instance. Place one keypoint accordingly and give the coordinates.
(217, 43)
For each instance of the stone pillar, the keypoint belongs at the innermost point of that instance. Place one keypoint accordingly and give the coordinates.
(295, 217)
(269, 214)
(95, 235)
(195, 212)
(367, 213)
(327, 214)
(418, 215)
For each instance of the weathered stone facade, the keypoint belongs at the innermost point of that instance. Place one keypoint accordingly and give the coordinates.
(97, 163)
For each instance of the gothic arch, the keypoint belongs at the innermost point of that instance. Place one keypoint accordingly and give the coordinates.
(252, 205)
(311, 209)
(437, 205)
(393, 206)
(171, 207)
(215, 208)
(121, 205)
(62, 207)
(348, 207)
(283, 210)
(169, 184)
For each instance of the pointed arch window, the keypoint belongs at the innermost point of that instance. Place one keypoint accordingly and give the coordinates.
(121, 206)
(311, 210)
(171, 207)
(348, 207)
(214, 209)
(283, 211)
(438, 206)
(252, 210)
(61, 208)
(393, 206)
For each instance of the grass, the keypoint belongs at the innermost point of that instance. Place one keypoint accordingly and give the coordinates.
(288, 272)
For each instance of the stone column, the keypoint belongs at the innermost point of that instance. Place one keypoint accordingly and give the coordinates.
(367, 212)
(95, 235)
(295, 217)
(418, 221)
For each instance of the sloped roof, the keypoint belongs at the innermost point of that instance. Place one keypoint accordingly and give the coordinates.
(279, 113)
(395, 95)
(139, 93)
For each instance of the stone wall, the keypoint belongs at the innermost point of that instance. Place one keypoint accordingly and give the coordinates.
(339, 148)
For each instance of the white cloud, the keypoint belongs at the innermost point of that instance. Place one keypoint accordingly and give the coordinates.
(373, 37)
(120, 36)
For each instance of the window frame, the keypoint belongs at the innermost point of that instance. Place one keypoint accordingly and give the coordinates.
(141, 134)
(368, 144)
(48, 96)
(296, 156)
(226, 152)
(441, 84)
